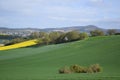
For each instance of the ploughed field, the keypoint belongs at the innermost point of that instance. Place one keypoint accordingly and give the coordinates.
(43, 63)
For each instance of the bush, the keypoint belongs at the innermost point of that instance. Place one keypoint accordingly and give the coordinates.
(89, 70)
(77, 69)
(72, 36)
(13, 41)
(117, 33)
(97, 33)
(95, 68)
(54, 36)
(111, 31)
(64, 70)
(83, 36)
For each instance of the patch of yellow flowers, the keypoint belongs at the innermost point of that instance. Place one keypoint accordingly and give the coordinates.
(19, 45)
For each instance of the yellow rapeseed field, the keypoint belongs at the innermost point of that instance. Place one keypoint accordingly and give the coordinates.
(19, 45)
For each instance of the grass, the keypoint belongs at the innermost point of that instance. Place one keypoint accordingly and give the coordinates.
(43, 63)
(19, 45)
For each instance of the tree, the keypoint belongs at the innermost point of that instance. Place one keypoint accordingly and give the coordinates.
(46, 40)
(68, 37)
(13, 41)
(54, 36)
(43, 39)
(111, 31)
(83, 35)
(43, 34)
(61, 38)
(72, 36)
(34, 35)
(117, 33)
(97, 33)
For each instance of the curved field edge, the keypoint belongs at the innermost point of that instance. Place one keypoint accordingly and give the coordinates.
(43, 63)
(19, 45)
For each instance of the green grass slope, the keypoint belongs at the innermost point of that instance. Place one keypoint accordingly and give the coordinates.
(42, 63)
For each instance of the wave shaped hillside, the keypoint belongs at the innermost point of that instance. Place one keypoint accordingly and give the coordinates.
(42, 63)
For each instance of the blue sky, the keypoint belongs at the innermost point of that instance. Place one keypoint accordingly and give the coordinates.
(59, 13)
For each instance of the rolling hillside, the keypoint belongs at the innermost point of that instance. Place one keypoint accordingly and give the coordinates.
(42, 63)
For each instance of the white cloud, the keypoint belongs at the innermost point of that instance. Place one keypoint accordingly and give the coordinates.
(51, 7)
(25, 7)
(68, 11)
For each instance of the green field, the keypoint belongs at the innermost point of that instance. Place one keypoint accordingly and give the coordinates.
(42, 63)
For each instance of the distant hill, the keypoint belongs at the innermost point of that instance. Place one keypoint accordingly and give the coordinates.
(27, 31)
(80, 28)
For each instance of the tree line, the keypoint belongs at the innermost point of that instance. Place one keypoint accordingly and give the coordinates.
(44, 38)
(62, 37)
(57, 37)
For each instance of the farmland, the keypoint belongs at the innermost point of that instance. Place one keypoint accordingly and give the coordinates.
(19, 45)
(43, 63)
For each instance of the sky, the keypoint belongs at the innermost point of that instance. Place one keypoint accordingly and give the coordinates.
(59, 13)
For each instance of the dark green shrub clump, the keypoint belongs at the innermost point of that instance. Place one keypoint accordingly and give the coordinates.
(95, 68)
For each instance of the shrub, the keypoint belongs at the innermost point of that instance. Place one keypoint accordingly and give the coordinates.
(89, 70)
(111, 31)
(95, 68)
(68, 37)
(54, 36)
(13, 41)
(83, 36)
(72, 36)
(80, 69)
(117, 33)
(77, 69)
(97, 33)
(64, 70)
